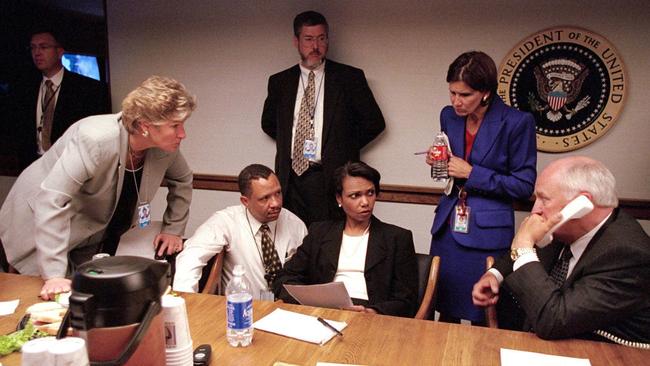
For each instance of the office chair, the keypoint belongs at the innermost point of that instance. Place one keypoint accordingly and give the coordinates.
(428, 269)
(211, 284)
(490, 311)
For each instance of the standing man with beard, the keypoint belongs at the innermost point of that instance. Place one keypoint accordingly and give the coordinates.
(320, 113)
(241, 231)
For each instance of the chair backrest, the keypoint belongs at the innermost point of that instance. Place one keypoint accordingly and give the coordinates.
(211, 284)
(490, 311)
(428, 268)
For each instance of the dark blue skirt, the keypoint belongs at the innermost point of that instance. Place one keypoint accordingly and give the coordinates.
(460, 268)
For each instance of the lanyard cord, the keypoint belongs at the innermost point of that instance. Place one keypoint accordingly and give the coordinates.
(135, 181)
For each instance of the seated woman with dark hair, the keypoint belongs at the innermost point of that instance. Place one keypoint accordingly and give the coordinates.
(376, 261)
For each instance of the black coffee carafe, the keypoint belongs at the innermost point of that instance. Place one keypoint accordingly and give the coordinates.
(115, 307)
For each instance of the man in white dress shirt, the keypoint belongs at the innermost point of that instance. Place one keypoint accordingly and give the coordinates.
(240, 231)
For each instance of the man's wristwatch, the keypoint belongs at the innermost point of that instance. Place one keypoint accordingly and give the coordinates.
(515, 253)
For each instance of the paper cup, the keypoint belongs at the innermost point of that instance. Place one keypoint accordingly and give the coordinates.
(176, 325)
(70, 351)
(36, 352)
(180, 357)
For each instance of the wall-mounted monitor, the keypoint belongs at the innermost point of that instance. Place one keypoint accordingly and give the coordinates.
(86, 65)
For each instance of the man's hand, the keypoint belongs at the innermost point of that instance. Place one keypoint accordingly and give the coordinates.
(54, 286)
(167, 243)
(486, 290)
(532, 230)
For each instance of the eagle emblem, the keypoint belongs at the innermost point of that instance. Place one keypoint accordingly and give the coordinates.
(559, 82)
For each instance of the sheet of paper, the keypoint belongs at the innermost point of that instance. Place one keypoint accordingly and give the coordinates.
(328, 295)
(8, 307)
(511, 357)
(299, 326)
(139, 241)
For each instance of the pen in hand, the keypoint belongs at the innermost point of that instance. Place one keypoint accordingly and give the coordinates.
(330, 326)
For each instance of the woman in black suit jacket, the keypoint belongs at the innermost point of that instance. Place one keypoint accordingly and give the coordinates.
(375, 260)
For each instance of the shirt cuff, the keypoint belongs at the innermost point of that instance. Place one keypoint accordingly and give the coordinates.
(496, 274)
(524, 259)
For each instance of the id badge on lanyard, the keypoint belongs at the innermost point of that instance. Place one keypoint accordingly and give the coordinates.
(309, 149)
(462, 211)
(144, 214)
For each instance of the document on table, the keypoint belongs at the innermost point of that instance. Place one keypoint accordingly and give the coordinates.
(327, 295)
(511, 357)
(8, 307)
(139, 241)
(299, 326)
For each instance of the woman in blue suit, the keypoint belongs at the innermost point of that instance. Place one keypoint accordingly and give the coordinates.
(493, 164)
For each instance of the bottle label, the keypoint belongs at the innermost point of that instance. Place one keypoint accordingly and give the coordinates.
(240, 314)
(440, 153)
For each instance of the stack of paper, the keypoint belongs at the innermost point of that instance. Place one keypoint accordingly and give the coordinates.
(514, 357)
(299, 326)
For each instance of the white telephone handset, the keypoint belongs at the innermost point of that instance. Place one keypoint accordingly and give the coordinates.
(575, 209)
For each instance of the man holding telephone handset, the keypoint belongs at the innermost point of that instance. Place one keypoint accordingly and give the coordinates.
(594, 278)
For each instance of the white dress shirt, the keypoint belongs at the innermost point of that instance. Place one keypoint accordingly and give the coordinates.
(238, 231)
(56, 84)
(319, 100)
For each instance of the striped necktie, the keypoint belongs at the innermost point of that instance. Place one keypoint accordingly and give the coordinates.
(48, 115)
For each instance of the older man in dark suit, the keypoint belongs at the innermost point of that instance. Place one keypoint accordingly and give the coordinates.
(321, 113)
(593, 281)
(44, 107)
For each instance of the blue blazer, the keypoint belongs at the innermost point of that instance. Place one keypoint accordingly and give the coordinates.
(504, 169)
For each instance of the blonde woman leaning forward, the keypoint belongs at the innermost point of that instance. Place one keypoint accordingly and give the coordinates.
(96, 182)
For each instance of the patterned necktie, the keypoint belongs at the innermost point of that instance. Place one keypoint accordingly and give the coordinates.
(269, 255)
(48, 115)
(304, 129)
(561, 268)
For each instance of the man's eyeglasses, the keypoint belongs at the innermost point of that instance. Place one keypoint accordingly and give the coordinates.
(42, 47)
(319, 40)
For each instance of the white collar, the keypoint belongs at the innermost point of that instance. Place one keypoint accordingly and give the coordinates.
(255, 224)
(56, 78)
(317, 71)
(578, 247)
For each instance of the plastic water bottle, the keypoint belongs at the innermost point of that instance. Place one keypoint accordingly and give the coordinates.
(439, 172)
(239, 310)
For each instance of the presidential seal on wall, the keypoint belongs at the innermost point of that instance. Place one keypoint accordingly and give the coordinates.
(572, 80)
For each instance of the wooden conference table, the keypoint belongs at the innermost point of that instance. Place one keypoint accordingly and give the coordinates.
(368, 339)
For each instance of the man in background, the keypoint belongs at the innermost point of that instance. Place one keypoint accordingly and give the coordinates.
(258, 234)
(320, 113)
(593, 278)
(44, 107)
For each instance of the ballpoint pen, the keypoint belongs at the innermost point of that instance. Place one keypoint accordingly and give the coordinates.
(330, 326)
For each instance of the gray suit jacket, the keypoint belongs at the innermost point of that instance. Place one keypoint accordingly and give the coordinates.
(67, 197)
(608, 289)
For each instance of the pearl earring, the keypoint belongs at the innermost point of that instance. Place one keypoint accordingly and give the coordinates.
(340, 205)
(145, 133)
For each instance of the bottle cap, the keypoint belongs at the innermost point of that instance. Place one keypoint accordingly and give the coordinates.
(239, 270)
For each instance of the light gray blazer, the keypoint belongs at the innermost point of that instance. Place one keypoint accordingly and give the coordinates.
(66, 198)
